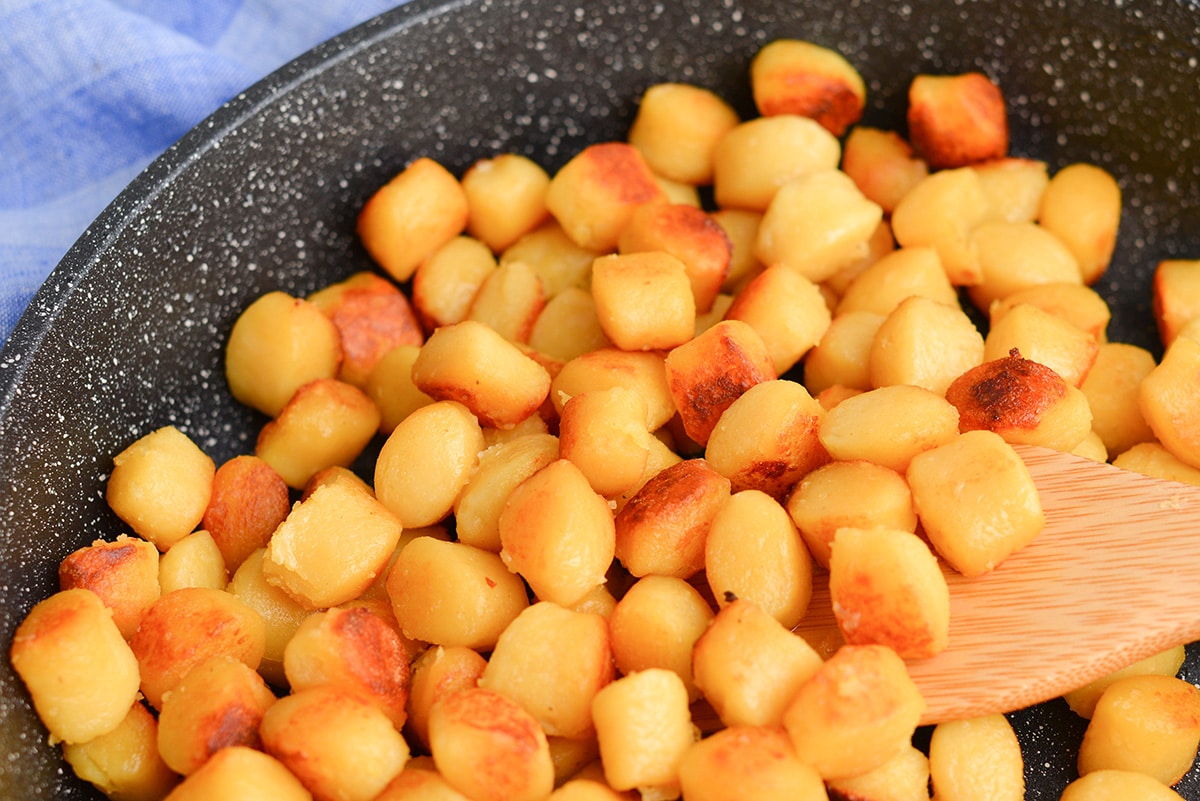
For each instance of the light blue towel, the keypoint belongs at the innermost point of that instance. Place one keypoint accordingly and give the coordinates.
(91, 91)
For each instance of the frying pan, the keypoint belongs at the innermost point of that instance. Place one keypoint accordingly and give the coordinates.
(127, 333)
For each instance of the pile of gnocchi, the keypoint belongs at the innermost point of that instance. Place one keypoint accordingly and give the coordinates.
(623, 435)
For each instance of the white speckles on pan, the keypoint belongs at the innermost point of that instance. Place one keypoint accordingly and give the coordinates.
(127, 334)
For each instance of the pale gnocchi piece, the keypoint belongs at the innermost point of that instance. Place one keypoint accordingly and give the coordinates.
(816, 224)
(450, 593)
(976, 501)
(676, 129)
(1112, 390)
(786, 309)
(568, 326)
(1170, 403)
(390, 386)
(1082, 700)
(662, 528)
(644, 301)
(849, 494)
(594, 194)
(556, 259)
(644, 729)
(603, 433)
(768, 438)
(1044, 338)
(471, 364)
(748, 665)
(124, 763)
(194, 561)
(708, 373)
(888, 426)
(1176, 296)
(436, 673)
(557, 533)
(975, 759)
(882, 164)
(1118, 785)
(741, 227)
(941, 212)
(896, 276)
(1014, 187)
(842, 357)
(419, 210)
(656, 624)
(791, 76)
(924, 343)
(609, 367)
(123, 573)
(488, 748)
(352, 649)
(338, 745)
(448, 279)
(241, 772)
(426, 461)
(80, 673)
(887, 588)
(755, 158)
(774, 570)
(281, 613)
(506, 198)
(1023, 401)
(857, 711)
(160, 486)
(277, 345)
(332, 545)
(501, 468)
(1081, 205)
(880, 244)
(690, 235)
(748, 761)
(904, 777)
(415, 783)
(957, 120)
(1074, 302)
(1147, 723)
(509, 301)
(219, 703)
(1018, 255)
(552, 661)
(188, 626)
(1152, 459)
(248, 501)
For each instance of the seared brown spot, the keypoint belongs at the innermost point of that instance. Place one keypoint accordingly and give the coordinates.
(231, 725)
(88, 566)
(619, 167)
(1007, 393)
(373, 652)
(830, 101)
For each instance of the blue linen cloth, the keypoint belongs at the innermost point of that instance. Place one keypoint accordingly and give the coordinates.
(91, 91)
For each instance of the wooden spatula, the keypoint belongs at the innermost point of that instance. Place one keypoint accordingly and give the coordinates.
(1114, 577)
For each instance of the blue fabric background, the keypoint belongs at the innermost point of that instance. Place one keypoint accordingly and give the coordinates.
(91, 91)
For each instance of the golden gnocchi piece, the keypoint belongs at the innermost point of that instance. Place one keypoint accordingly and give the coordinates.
(449, 593)
(280, 613)
(1014, 256)
(506, 198)
(882, 164)
(1147, 723)
(188, 626)
(656, 624)
(858, 711)
(644, 301)
(277, 345)
(124, 763)
(741, 227)
(501, 468)
(568, 326)
(786, 309)
(748, 665)
(249, 500)
(904, 777)
(887, 588)
(327, 422)
(975, 500)
(603, 433)
(1082, 700)
(490, 749)
(789, 76)
(194, 561)
(413, 214)
(849, 494)
(690, 235)
(755, 158)
(775, 572)
(594, 194)
(417, 784)
(768, 438)
(1152, 459)
(957, 120)
(1169, 401)
(338, 745)
(1176, 296)
(895, 277)
(80, 673)
(1081, 205)
(1118, 785)
(924, 343)
(122, 573)
(509, 301)
(556, 259)
(1014, 187)
(1023, 401)
(941, 212)
(241, 772)
(1045, 338)
(436, 673)
(976, 758)
(842, 357)
(1112, 390)
(552, 661)
(372, 316)
(676, 129)
(708, 373)
(160, 485)
(748, 761)
(219, 703)
(609, 367)
(888, 426)
(1072, 301)
(644, 729)
(448, 279)
(332, 545)
(470, 363)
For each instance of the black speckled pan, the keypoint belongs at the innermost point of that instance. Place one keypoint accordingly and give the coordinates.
(127, 334)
